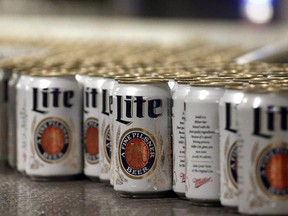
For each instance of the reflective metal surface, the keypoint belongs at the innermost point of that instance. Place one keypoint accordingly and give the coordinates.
(21, 196)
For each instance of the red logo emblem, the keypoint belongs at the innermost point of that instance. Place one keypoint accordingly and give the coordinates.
(137, 153)
(92, 140)
(198, 182)
(52, 140)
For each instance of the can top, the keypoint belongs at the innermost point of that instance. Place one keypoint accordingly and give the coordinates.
(187, 81)
(207, 84)
(234, 85)
(265, 88)
(126, 77)
(50, 72)
(259, 81)
(142, 80)
(284, 75)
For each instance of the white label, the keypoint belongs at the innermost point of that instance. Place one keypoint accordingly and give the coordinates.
(202, 151)
(178, 146)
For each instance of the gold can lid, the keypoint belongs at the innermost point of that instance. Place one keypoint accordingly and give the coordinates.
(278, 75)
(141, 80)
(261, 88)
(234, 85)
(187, 80)
(208, 84)
(40, 72)
(126, 77)
(243, 79)
(259, 81)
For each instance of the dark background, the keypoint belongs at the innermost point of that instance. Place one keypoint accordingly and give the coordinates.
(194, 9)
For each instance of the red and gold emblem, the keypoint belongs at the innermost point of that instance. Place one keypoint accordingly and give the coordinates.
(272, 170)
(52, 140)
(92, 140)
(137, 153)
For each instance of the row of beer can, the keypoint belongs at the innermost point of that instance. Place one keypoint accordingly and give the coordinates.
(228, 133)
(225, 129)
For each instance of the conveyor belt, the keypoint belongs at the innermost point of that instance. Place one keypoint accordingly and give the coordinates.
(21, 196)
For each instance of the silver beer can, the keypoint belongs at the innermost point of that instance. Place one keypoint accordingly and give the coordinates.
(91, 112)
(22, 131)
(113, 122)
(178, 135)
(54, 112)
(228, 144)
(202, 143)
(143, 165)
(263, 151)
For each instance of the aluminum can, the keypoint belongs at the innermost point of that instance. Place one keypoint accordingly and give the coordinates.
(92, 84)
(11, 139)
(22, 131)
(202, 143)
(143, 138)
(178, 131)
(54, 113)
(263, 152)
(228, 145)
(113, 122)
(105, 133)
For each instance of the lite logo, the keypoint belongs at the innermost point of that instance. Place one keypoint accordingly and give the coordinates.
(130, 107)
(90, 98)
(105, 102)
(45, 98)
(265, 120)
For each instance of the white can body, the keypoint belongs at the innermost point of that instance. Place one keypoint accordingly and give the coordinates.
(263, 154)
(91, 109)
(178, 124)
(105, 133)
(54, 113)
(202, 144)
(23, 133)
(228, 146)
(143, 135)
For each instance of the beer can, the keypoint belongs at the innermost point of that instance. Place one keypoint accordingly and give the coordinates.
(202, 143)
(92, 84)
(263, 151)
(22, 131)
(11, 137)
(54, 113)
(105, 132)
(112, 118)
(178, 136)
(143, 166)
(228, 144)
